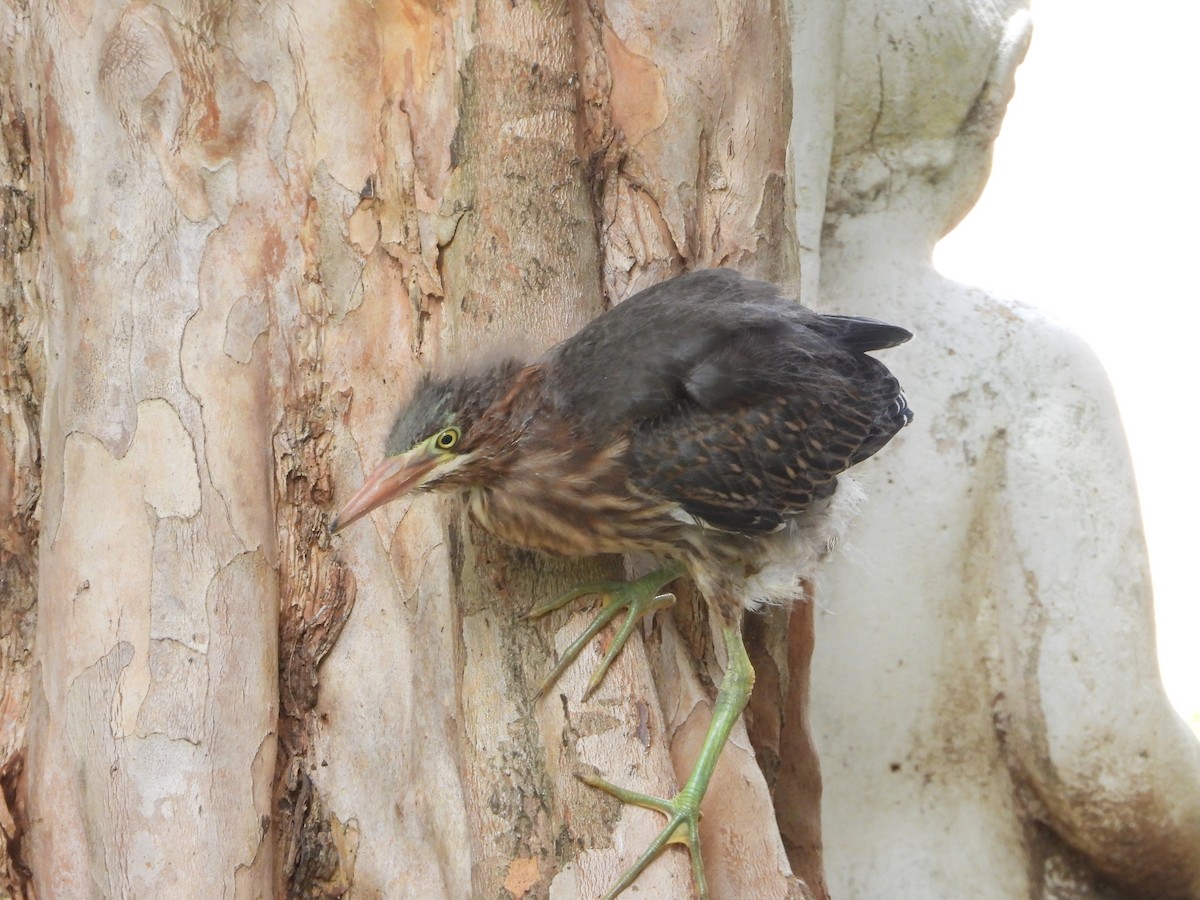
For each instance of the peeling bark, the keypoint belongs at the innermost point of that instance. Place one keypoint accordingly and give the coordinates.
(317, 591)
(22, 385)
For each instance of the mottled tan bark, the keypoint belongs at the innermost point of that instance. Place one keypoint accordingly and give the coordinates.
(22, 373)
(164, 253)
(256, 225)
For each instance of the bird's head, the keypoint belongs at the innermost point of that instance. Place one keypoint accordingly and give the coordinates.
(451, 434)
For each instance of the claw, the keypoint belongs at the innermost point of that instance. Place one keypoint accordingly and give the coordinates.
(637, 611)
(640, 597)
(683, 827)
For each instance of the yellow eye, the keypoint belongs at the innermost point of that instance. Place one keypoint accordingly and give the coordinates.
(446, 440)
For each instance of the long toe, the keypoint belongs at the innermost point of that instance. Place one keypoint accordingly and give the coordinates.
(600, 588)
(683, 810)
(637, 598)
(683, 827)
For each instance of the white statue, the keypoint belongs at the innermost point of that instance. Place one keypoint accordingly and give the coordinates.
(986, 700)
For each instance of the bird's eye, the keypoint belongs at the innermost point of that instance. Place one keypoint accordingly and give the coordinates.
(447, 439)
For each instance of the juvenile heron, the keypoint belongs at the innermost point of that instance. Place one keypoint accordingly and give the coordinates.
(705, 421)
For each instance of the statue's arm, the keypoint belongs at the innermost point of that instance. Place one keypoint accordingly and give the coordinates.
(1086, 725)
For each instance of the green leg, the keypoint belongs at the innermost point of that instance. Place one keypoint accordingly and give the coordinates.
(640, 597)
(683, 810)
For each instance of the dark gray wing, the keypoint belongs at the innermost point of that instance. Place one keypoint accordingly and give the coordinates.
(741, 406)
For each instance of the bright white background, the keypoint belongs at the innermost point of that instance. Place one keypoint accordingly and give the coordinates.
(1090, 215)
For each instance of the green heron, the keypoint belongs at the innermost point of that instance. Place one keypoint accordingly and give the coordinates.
(705, 421)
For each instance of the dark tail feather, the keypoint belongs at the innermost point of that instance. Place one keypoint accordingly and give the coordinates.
(860, 334)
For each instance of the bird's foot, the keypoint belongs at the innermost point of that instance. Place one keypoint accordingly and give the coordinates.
(639, 597)
(683, 810)
(683, 827)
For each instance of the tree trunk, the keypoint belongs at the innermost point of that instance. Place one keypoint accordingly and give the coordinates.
(22, 385)
(235, 235)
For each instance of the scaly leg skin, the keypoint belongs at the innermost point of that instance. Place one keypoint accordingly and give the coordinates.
(640, 597)
(683, 810)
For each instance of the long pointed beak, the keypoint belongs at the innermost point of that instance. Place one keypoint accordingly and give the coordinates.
(392, 478)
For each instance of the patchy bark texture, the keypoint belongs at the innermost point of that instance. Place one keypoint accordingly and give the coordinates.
(252, 226)
(22, 374)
